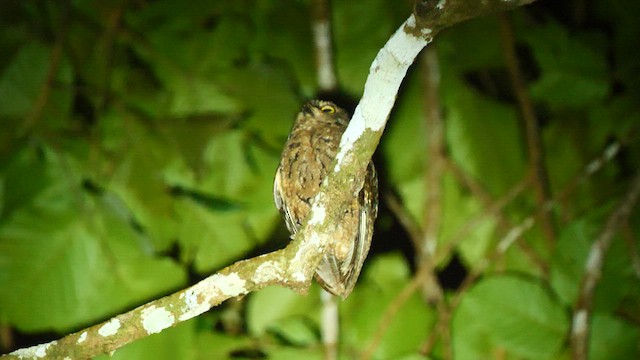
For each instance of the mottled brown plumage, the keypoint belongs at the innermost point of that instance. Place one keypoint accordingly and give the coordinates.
(307, 156)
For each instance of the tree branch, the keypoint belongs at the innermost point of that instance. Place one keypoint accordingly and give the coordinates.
(293, 266)
(593, 268)
(323, 42)
(534, 141)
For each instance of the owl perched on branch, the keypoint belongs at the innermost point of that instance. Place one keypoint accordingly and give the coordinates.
(306, 159)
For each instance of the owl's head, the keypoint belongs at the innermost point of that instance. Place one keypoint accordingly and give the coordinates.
(325, 112)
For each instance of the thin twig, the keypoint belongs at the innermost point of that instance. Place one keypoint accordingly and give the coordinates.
(593, 269)
(442, 327)
(392, 309)
(327, 82)
(631, 242)
(330, 325)
(323, 41)
(534, 141)
(416, 237)
(405, 219)
(493, 208)
(431, 289)
(44, 94)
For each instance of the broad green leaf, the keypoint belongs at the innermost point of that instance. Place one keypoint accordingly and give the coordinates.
(404, 146)
(274, 308)
(170, 344)
(613, 339)
(212, 239)
(383, 280)
(215, 345)
(573, 66)
(459, 209)
(470, 37)
(284, 33)
(271, 104)
(298, 331)
(513, 313)
(231, 168)
(358, 41)
(483, 136)
(195, 96)
(293, 353)
(22, 181)
(23, 80)
(568, 263)
(137, 179)
(185, 64)
(68, 258)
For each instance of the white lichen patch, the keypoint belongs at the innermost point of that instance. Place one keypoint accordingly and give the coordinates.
(110, 328)
(82, 337)
(594, 260)
(299, 276)
(580, 322)
(268, 271)
(318, 213)
(33, 352)
(411, 21)
(200, 296)
(230, 285)
(189, 313)
(190, 299)
(196, 299)
(354, 131)
(156, 319)
(386, 75)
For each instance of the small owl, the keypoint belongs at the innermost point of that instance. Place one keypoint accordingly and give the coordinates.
(307, 156)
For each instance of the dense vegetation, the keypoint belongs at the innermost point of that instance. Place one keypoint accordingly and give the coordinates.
(139, 141)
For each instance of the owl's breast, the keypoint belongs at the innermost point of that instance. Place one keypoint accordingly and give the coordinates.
(306, 160)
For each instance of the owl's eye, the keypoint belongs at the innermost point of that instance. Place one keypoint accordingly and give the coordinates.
(328, 109)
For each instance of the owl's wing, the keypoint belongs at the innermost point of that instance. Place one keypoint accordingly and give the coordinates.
(281, 205)
(339, 277)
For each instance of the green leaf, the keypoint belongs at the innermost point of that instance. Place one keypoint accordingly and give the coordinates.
(404, 152)
(215, 345)
(184, 56)
(269, 97)
(568, 263)
(513, 313)
(613, 339)
(283, 33)
(298, 331)
(273, 308)
(383, 279)
(291, 353)
(213, 239)
(173, 343)
(358, 42)
(231, 168)
(195, 96)
(68, 258)
(573, 67)
(470, 37)
(23, 79)
(459, 207)
(484, 136)
(137, 179)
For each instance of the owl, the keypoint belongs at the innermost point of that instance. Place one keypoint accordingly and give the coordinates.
(306, 159)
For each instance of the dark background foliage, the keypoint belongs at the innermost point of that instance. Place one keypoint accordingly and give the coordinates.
(139, 141)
